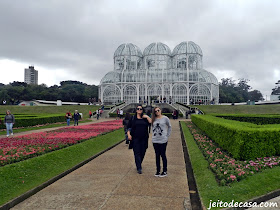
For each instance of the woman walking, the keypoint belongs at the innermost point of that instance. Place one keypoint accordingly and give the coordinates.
(68, 117)
(161, 132)
(9, 121)
(138, 133)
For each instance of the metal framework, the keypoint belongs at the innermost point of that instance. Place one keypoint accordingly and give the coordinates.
(158, 74)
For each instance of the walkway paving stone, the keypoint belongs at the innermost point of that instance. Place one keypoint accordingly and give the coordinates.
(111, 181)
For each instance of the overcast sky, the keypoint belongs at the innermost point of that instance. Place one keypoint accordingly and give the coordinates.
(76, 40)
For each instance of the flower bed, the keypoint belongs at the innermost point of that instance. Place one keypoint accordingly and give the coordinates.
(23, 147)
(226, 168)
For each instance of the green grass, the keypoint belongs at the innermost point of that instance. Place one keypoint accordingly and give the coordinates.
(240, 109)
(48, 109)
(38, 170)
(209, 189)
(42, 127)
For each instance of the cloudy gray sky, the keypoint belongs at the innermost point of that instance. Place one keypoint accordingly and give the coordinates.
(76, 40)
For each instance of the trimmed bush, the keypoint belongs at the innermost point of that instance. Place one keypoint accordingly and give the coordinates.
(243, 140)
(169, 115)
(22, 121)
(256, 119)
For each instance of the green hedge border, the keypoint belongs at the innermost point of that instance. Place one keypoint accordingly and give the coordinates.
(169, 115)
(22, 121)
(266, 183)
(245, 141)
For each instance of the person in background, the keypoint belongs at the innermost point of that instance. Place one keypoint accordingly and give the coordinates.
(138, 133)
(125, 124)
(161, 132)
(76, 117)
(9, 121)
(97, 114)
(118, 113)
(121, 114)
(68, 117)
(90, 114)
(100, 112)
(174, 114)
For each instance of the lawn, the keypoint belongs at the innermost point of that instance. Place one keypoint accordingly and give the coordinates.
(210, 190)
(49, 109)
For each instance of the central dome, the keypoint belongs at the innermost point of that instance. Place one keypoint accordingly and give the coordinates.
(157, 48)
(187, 48)
(128, 50)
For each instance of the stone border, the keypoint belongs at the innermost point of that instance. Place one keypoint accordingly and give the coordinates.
(33, 191)
(196, 203)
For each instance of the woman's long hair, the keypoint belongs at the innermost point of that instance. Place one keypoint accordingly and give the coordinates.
(154, 115)
(135, 116)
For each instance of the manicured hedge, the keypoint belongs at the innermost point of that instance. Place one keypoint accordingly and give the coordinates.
(166, 114)
(22, 121)
(243, 140)
(256, 119)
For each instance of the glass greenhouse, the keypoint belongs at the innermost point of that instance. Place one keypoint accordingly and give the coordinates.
(159, 74)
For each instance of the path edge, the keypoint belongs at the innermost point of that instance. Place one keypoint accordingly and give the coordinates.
(196, 203)
(33, 191)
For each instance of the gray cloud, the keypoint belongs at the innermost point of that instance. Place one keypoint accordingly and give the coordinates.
(81, 36)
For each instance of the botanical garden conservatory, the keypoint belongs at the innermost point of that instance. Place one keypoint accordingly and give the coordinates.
(159, 74)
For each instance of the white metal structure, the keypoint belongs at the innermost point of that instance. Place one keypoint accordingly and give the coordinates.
(158, 74)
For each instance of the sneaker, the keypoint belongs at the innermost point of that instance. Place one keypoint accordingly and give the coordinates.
(8, 135)
(157, 174)
(163, 174)
(12, 134)
(139, 171)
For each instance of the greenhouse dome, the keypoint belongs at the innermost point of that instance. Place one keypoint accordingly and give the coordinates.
(159, 74)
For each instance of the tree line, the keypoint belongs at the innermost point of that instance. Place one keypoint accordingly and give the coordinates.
(75, 91)
(235, 92)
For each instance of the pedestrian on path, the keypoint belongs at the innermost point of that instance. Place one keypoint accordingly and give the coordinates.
(161, 132)
(138, 133)
(9, 122)
(68, 117)
(76, 117)
(97, 114)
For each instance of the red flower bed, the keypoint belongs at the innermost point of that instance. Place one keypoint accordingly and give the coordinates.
(226, 168)
(23, 147)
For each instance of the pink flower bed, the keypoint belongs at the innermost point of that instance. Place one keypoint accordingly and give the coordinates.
(226, 168)
(26, 146)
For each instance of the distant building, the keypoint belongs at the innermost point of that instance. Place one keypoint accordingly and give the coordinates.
(31, 75)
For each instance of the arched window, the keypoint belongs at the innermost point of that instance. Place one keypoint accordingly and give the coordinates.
(111, 94)
(130, 94)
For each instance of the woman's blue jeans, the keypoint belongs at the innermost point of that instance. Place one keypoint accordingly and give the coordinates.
(68, 122)
(9, 127)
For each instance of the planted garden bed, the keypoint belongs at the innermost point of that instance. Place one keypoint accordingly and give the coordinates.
(226, 168)
(245, 141)
(24, 147)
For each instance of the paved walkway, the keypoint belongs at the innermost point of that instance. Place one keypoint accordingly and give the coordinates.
(111, 181)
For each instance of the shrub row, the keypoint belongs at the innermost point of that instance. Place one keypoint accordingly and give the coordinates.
(243, 140)
(256, 119)
(37, 120)
(169, 115)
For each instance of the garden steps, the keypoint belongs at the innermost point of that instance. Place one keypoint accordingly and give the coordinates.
(111, 181)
